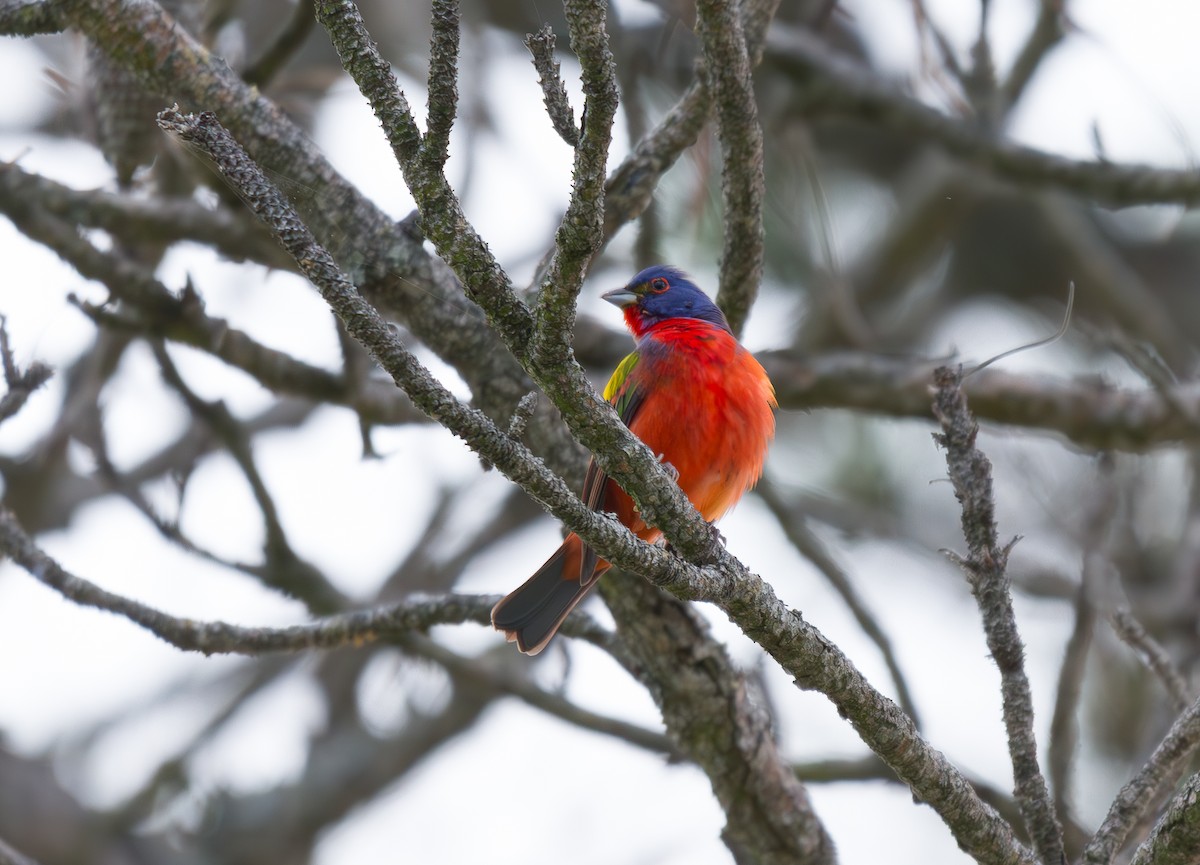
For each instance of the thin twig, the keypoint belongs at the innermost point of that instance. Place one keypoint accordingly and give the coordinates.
(214, 637)
(442, 83)
(496, 678)
(971, 474)
(727, 66)
(580, 233)
(1064, 729)
(20, 385)
(554, 92)
(1152, 654)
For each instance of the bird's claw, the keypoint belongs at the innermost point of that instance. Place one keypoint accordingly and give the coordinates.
(716, 543)
(668, 468)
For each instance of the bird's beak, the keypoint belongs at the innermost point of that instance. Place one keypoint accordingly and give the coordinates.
(621, 297)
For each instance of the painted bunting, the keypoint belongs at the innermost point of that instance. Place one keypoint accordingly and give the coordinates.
(697, 398)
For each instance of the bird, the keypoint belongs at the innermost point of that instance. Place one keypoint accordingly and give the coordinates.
(697, 398)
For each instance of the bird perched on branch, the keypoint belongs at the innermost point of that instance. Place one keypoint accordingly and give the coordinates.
(697, 398)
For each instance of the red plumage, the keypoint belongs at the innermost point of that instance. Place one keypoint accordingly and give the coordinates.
(696, 397)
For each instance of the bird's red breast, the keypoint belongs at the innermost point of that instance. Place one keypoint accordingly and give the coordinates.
(706, 408)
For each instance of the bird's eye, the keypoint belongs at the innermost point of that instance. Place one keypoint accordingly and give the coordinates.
(659, 284)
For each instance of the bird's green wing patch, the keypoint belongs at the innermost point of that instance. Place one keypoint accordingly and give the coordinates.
(622, 389)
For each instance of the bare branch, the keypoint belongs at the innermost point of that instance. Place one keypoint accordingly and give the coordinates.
(847, 89)
(580, 234)
(709, 711)
(1146, 788)
(971, 474)
(1089, 412)
(20, 385)
(495, 677)
(135, 218)
(1064, 729)
(442, 219)
(30, 17)
(554, 93)
(1048, 31)
(1152, 654)
(442, 83)
(1176, 836)
(282, 568)
(209, 638)
(727, 65)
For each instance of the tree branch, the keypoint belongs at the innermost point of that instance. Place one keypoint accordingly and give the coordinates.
(841, 87)
(709, 710)
(1145, 789)
(727, 66)
(580, 233)
(30, 17)
(20, 384)
(809, 545)
(554, 93)
(971, 474)
(1176, 837)
(1090, 412)
(442, 219)
(383, 623)
(1152, 654)
(442, 84)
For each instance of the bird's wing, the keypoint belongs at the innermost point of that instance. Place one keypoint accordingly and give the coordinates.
(627, 395)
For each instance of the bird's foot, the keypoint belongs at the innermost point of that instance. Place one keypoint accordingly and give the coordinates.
(716, 543)
(670, 469)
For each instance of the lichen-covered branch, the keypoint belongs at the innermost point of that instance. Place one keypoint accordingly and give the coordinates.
(802, 650)
(727, 66)
(30, 17)
(985, 562)
(1146, 788)
(209, 638)
(579, 235)
(554, 92)
(708, 707)
(442, 219)
(442, 84)
(1176, 837)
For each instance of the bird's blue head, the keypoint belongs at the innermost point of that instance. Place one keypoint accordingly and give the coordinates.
(659, 293)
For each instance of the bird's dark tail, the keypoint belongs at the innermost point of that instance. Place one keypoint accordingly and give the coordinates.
(532, 613)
